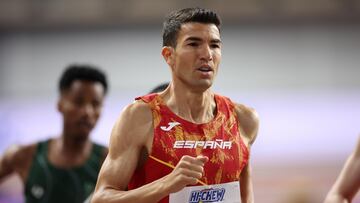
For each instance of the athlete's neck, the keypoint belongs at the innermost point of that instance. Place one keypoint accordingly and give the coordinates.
(67, 153)
(73, 144)
(196, 107)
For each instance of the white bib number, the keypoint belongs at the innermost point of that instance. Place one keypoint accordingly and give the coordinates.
(224, 193)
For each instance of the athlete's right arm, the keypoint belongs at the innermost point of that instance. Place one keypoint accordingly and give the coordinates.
(16, 159)
(131, 133)
(348, 182)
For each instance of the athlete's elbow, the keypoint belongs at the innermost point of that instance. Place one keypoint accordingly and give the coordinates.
(99, 196)
(95, 198)
(108, 195)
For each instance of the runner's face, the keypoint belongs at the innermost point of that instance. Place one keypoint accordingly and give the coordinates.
(81, 106)
(197, 55)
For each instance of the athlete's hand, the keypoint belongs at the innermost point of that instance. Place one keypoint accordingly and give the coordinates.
(187, 172)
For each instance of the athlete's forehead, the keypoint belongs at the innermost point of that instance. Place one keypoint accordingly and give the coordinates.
(194, 31)
(84, 87)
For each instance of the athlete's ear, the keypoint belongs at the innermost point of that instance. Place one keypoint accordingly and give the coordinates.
(60, 104)
(168, 53)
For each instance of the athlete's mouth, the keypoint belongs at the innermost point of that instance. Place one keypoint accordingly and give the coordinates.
(205, 68)
(85, 124)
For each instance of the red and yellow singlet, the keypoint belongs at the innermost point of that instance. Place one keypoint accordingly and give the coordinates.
(175, 137)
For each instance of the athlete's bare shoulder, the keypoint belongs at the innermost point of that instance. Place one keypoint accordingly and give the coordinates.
(133, 126)
(137, 114)
(18, 154)
(249, 121)
(18, 158)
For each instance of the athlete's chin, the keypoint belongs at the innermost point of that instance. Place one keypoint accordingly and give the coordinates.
(81, 138)
(206, 82)
(203, 85)
(83, 134)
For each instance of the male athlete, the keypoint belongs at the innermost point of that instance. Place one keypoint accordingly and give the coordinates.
(348, 182)
(64, 169)
(185, 144)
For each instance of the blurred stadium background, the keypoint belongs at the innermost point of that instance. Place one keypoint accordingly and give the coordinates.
(296, 62)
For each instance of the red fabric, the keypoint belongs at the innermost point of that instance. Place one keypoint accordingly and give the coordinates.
(224, 165)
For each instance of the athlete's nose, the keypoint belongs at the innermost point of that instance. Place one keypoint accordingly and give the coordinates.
(206, 53)
(88, 110)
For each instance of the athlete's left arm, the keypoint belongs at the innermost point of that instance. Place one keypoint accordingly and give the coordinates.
(249, 125)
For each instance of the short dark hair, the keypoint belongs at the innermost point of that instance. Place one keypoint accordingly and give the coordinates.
(161, 87)
(82, 72)
(173, 22)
